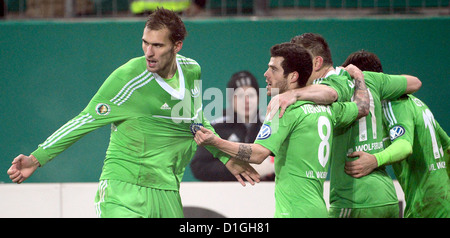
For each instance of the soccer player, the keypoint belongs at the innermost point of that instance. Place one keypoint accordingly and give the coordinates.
(301, 141)
(373, 195)
(152, 103)
(416, 152)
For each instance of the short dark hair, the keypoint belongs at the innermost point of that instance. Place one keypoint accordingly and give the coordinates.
(163, 18)
(296, 58)
(365, 61)
(317, 46)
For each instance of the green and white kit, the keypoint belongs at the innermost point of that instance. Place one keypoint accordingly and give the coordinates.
(423, 174)
(151, 140)
(301, 142)
(366, 134)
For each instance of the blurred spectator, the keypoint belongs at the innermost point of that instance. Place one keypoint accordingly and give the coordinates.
(196, 7)
(240, 123)
(2, 8)
(58, 8)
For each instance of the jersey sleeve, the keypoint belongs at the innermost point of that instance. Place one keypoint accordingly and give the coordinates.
(344, 113)
(341, 84)
(390, 86)
(99, 112)
(213, 150)
(399, 118)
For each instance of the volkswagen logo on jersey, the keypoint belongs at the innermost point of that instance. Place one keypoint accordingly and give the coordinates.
(264, 132)
(195, 127)
(396, 132)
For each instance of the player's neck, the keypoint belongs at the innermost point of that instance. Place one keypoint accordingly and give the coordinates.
(324, 71)
(319, 74)
(169, 71)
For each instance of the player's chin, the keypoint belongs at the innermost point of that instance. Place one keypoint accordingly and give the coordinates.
(269, 91)
(152, 69)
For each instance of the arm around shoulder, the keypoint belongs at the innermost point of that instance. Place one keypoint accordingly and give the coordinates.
(320, 94)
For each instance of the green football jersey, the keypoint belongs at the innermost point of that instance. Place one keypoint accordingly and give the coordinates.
(151, 141)
(301, 142)
(423, 175)
(366, 134)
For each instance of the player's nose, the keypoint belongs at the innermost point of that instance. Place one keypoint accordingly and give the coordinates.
(149, 51)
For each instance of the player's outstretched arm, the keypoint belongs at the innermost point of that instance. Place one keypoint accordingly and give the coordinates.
(252, 153)
(22, 168)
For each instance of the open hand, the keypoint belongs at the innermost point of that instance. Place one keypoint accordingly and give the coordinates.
(240, 168)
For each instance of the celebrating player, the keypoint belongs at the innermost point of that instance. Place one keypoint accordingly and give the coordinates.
(373, 195)
(416, 153)
(301, 141)
(149, 104)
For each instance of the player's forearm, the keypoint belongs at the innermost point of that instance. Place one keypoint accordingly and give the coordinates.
(320, 94)
(361, 97)
(251, 153)
(400, 149)
(413, 84)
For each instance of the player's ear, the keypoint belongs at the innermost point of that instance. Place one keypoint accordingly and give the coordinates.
(178, 46)
(317, 63)
(293, 77)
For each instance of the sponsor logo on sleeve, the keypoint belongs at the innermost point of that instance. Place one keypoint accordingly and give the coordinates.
(396, 132)
(264, 132)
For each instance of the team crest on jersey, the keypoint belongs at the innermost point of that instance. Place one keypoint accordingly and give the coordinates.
(102, 109)
(396, 132)
(195, 127)
(264, 132)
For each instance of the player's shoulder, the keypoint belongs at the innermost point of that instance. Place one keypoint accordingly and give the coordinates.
(300, 108)
(373, 77)
(187, 61)
(133, 72)
(336, 79)
(411, 100)
(131, 69)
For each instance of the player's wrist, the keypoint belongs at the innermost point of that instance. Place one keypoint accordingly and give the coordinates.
(381, 158)
(34, 161)
(297, 93)
(398, 150)
(216, 141)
